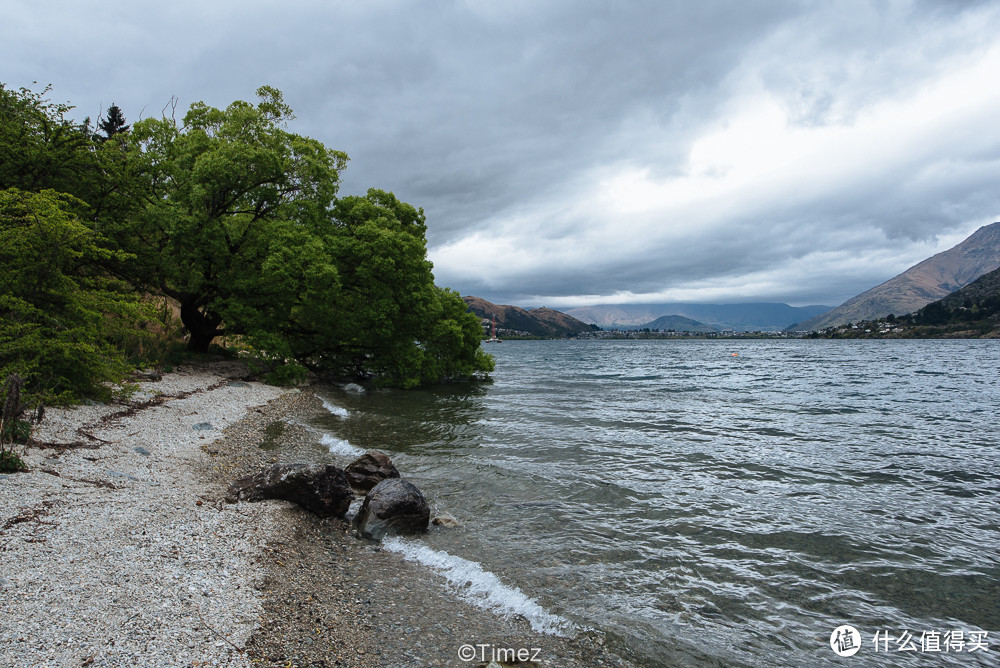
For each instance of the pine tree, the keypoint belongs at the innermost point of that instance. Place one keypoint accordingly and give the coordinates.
(114, 123)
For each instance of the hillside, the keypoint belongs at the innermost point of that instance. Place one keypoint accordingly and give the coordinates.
(516, 321)
(972, 311)
(928, 281)
(739, 317)
(968, 313)
(980, 293)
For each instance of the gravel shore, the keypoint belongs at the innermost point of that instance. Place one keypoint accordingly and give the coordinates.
(113, 552)
(118, 551)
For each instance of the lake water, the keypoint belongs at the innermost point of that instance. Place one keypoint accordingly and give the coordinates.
(701, 507)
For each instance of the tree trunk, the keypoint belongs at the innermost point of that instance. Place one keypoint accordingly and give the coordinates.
(202, 326)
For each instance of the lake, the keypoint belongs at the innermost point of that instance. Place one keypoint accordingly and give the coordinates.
(722, 502)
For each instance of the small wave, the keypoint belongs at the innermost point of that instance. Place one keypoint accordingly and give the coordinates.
(339, 411)
(340, 446)
(480, 587)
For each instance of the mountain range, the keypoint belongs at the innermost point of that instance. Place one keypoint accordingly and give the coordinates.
(921, 284)
(968, 313)
(765, 317)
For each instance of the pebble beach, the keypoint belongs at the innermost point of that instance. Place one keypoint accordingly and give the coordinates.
(118, 550)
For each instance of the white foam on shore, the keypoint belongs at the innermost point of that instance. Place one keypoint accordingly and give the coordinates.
(340, 446)
(339, 411)
(480, 587)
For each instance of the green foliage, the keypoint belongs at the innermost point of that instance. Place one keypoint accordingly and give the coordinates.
(390, 320)
(60, 310)
(233, 217)
(934, 313)
(57, 309)
(150, 340)
(16, 431)
(10, 461)
(451, 341)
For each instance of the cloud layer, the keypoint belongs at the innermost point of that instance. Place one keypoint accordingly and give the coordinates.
(575, 152)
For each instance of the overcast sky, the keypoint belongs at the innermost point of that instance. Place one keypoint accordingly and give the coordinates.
(576, 152)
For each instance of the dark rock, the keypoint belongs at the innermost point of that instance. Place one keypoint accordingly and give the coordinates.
(370, 469)
(393, 505)
(320, 489)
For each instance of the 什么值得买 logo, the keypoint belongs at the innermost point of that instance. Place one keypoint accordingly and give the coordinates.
(845, 640)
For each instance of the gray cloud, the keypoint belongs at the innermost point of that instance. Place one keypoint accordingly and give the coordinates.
(570, 151)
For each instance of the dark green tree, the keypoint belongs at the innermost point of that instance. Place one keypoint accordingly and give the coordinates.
(60, 309)
(113, 123)
(934, 313)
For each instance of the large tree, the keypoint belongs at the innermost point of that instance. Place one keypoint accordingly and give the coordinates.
(231, 215)
(241, 225)
(224, 191)
(63, 317)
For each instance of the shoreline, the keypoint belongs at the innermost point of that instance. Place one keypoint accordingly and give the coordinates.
(118, 550)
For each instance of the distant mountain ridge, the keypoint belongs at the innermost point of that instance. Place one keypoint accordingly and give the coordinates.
(763, 316)
(679, 323)
(921, 284)
(544, 322)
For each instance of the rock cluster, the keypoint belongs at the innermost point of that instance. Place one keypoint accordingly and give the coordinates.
(391, 503)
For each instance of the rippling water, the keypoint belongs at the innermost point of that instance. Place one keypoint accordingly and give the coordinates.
(708, 509)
